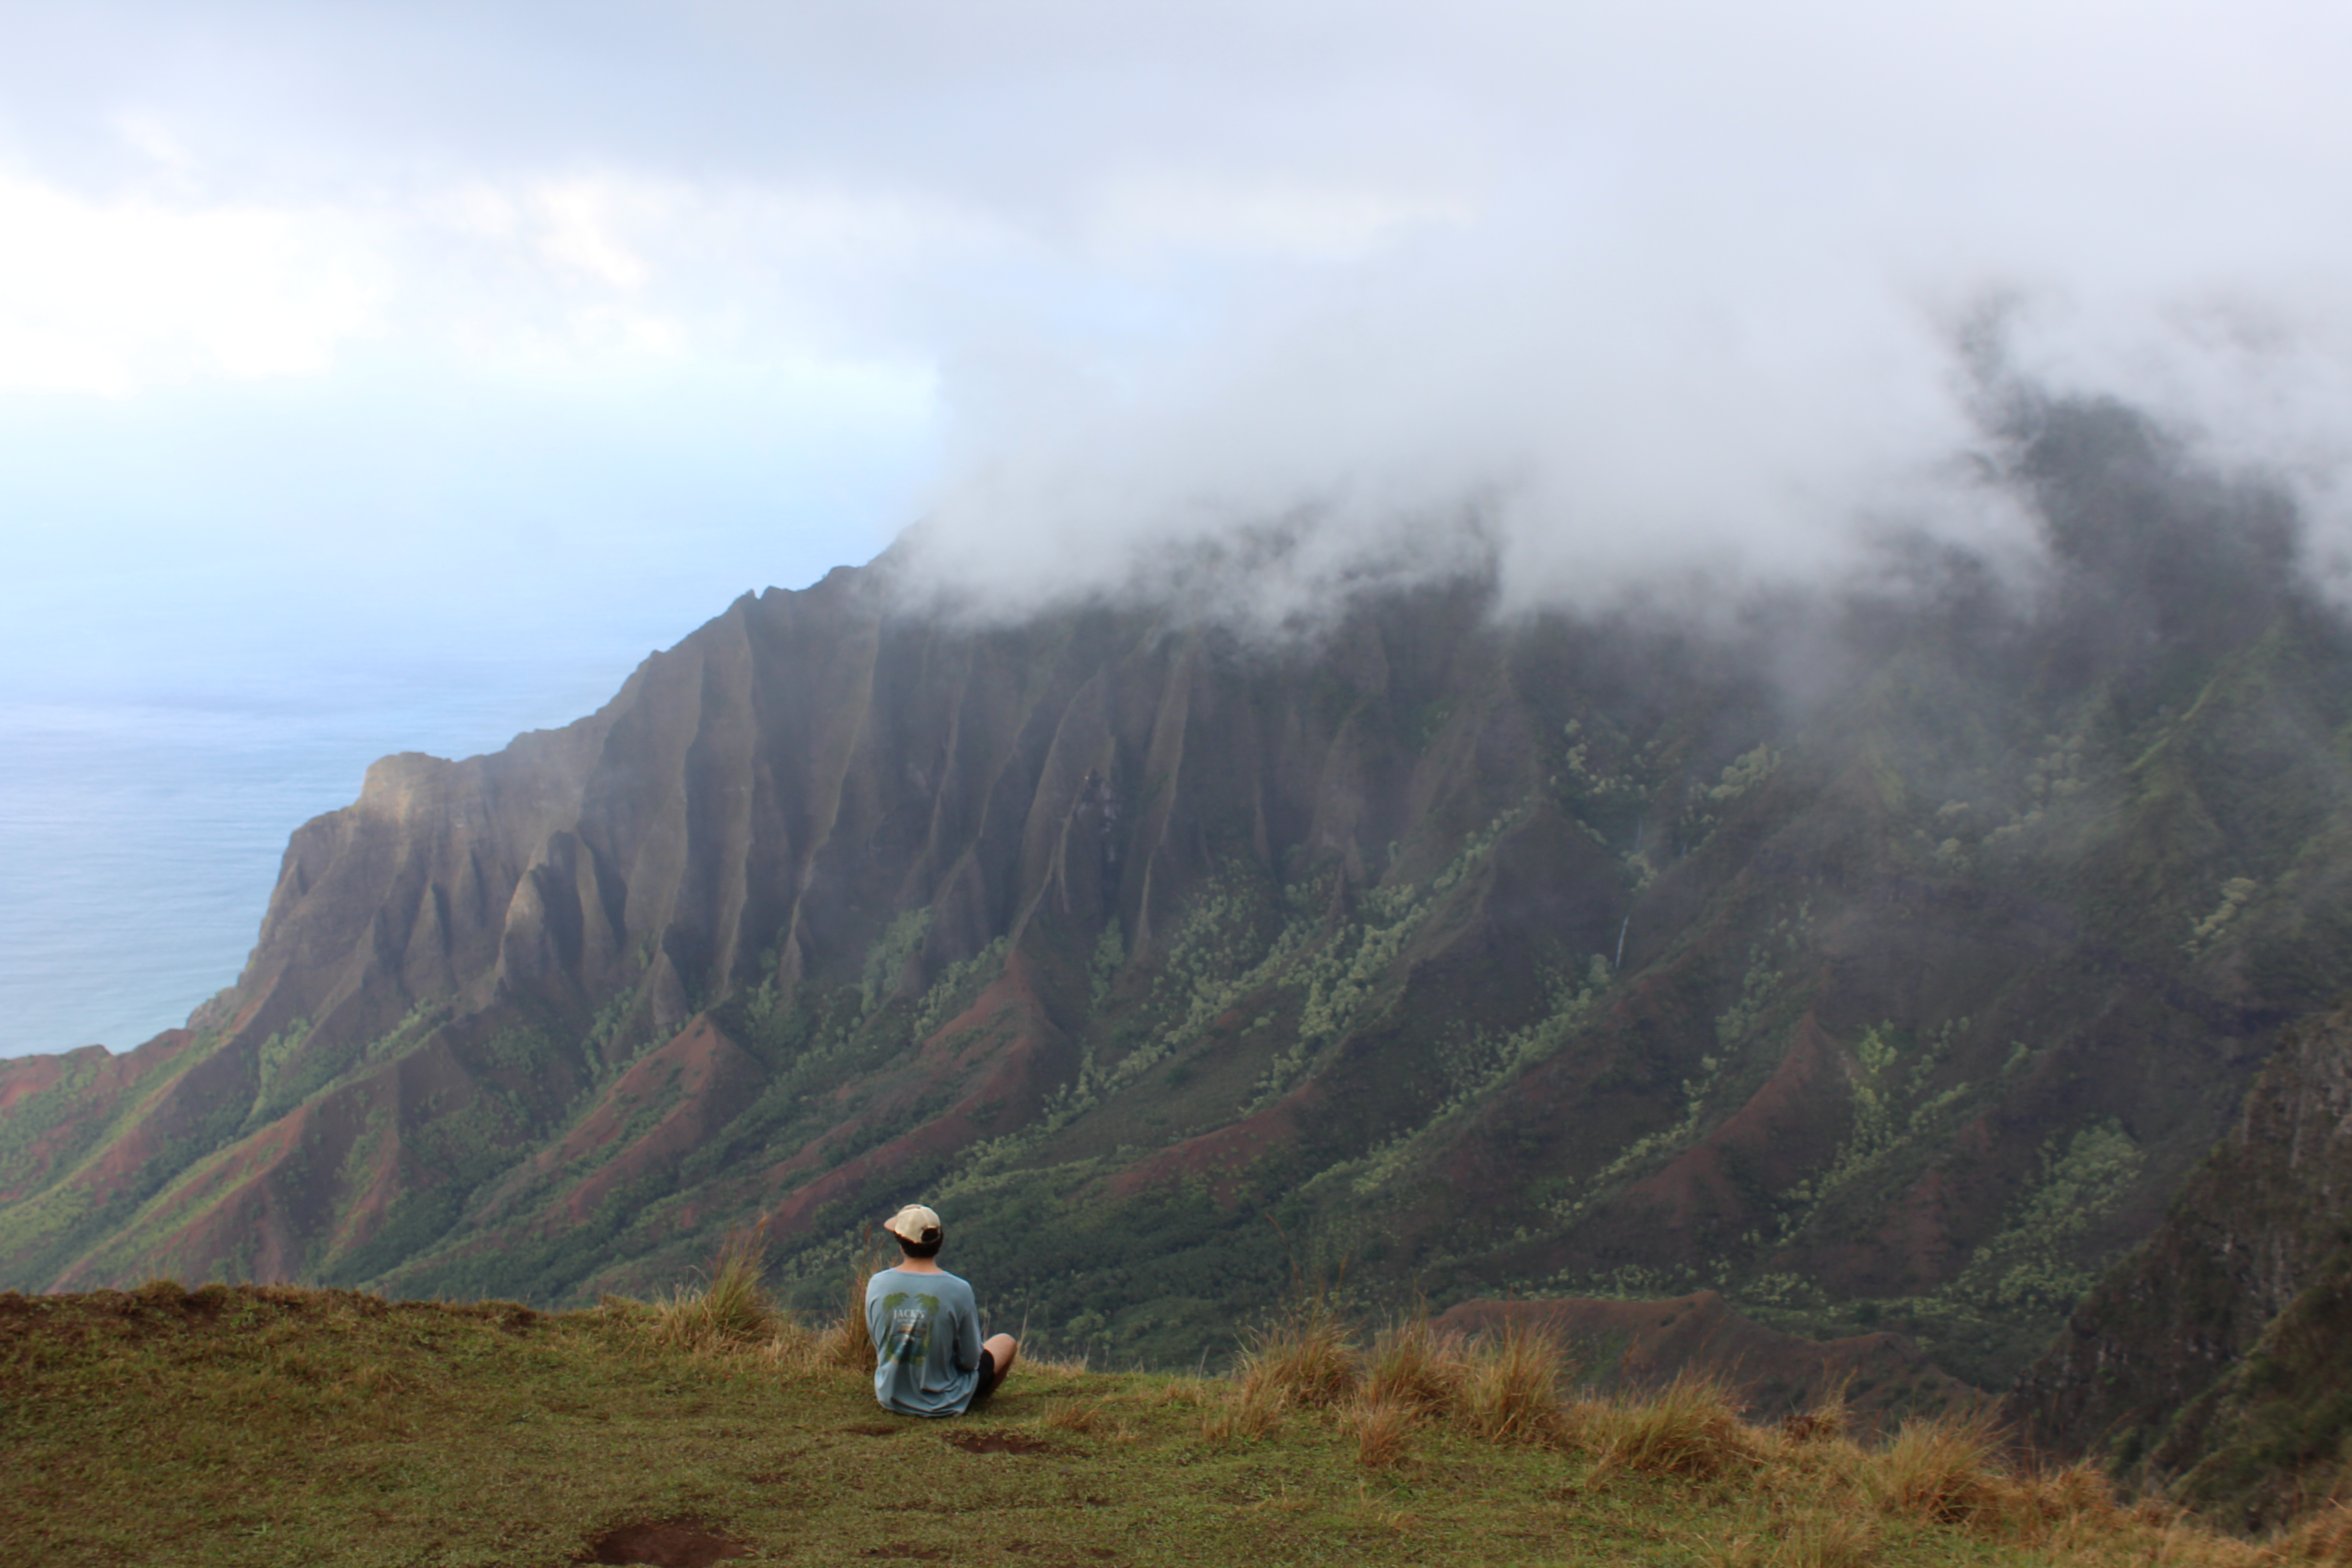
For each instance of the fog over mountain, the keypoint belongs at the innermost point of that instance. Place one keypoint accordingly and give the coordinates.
(1649, 289)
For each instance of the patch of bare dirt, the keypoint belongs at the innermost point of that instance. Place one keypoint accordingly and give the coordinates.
(999, 1443)
(666, 1543)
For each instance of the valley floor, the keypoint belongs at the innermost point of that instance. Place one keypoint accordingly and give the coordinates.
(278, 1426)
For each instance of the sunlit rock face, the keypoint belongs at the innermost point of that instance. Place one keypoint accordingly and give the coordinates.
(1879, 960)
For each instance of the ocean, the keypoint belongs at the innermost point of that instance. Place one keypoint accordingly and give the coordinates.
(140, 837)
(219, 602)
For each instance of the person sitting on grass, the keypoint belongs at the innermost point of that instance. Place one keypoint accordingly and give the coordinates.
(928, 1356)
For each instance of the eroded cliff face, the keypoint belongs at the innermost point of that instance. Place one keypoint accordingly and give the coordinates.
(1554, 955)
(2214, 1363)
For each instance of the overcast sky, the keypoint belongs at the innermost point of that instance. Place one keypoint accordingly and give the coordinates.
(356, 325)
(377, 377)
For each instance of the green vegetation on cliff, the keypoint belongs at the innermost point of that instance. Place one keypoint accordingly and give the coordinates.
(2214, 1363)
(1881, 961)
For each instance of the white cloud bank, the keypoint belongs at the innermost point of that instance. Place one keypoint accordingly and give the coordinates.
(1652, 291)
(111, 296)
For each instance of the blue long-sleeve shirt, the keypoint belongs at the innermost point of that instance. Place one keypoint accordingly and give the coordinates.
(926, 1332)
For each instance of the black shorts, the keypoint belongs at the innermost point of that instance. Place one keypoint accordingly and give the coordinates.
(987, 1385)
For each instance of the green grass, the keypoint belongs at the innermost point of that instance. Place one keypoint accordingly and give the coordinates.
(272, 1425)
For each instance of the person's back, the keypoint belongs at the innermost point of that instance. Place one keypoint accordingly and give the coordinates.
(925, 1341)
(928, 1357)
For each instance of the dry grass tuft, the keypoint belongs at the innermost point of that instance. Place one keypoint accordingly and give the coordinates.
(2079, 1492)
(1948, 1472)
(1832, 1539)
(1058, 1368)
(1509, 1390)
(1095, 1419)
(1075, 1417)
(1687, 1429)
(2325, 1537)
(1382, 1425)
(1302, 1358)
(1382, 1515)
(733, 1309)
(736, 1306)
(1827, 1419)
(1241, 1417)
(1414, 1366)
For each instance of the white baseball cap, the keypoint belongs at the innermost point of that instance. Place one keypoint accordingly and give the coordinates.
(915, 1224)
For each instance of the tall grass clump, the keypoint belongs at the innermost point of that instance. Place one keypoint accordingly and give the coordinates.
(1244, 1415)
(1415, 1368)
(1382, 1426)
(1509, 1390)
(1304, 1357)
(1689, 1427)
(1504, 1387)
(1828, 1418)
(1948, 1472)
(2325, 1537)
(731, 1309)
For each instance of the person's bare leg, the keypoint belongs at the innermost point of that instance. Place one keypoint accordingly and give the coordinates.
(1002, 1349)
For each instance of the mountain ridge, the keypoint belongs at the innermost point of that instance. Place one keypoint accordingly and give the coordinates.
(1569, 955)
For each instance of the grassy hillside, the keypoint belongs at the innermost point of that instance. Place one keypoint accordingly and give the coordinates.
(275, 1426)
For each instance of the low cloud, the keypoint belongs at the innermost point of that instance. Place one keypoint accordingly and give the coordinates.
(1288, 296)
(1655, 420)
(109, 297)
